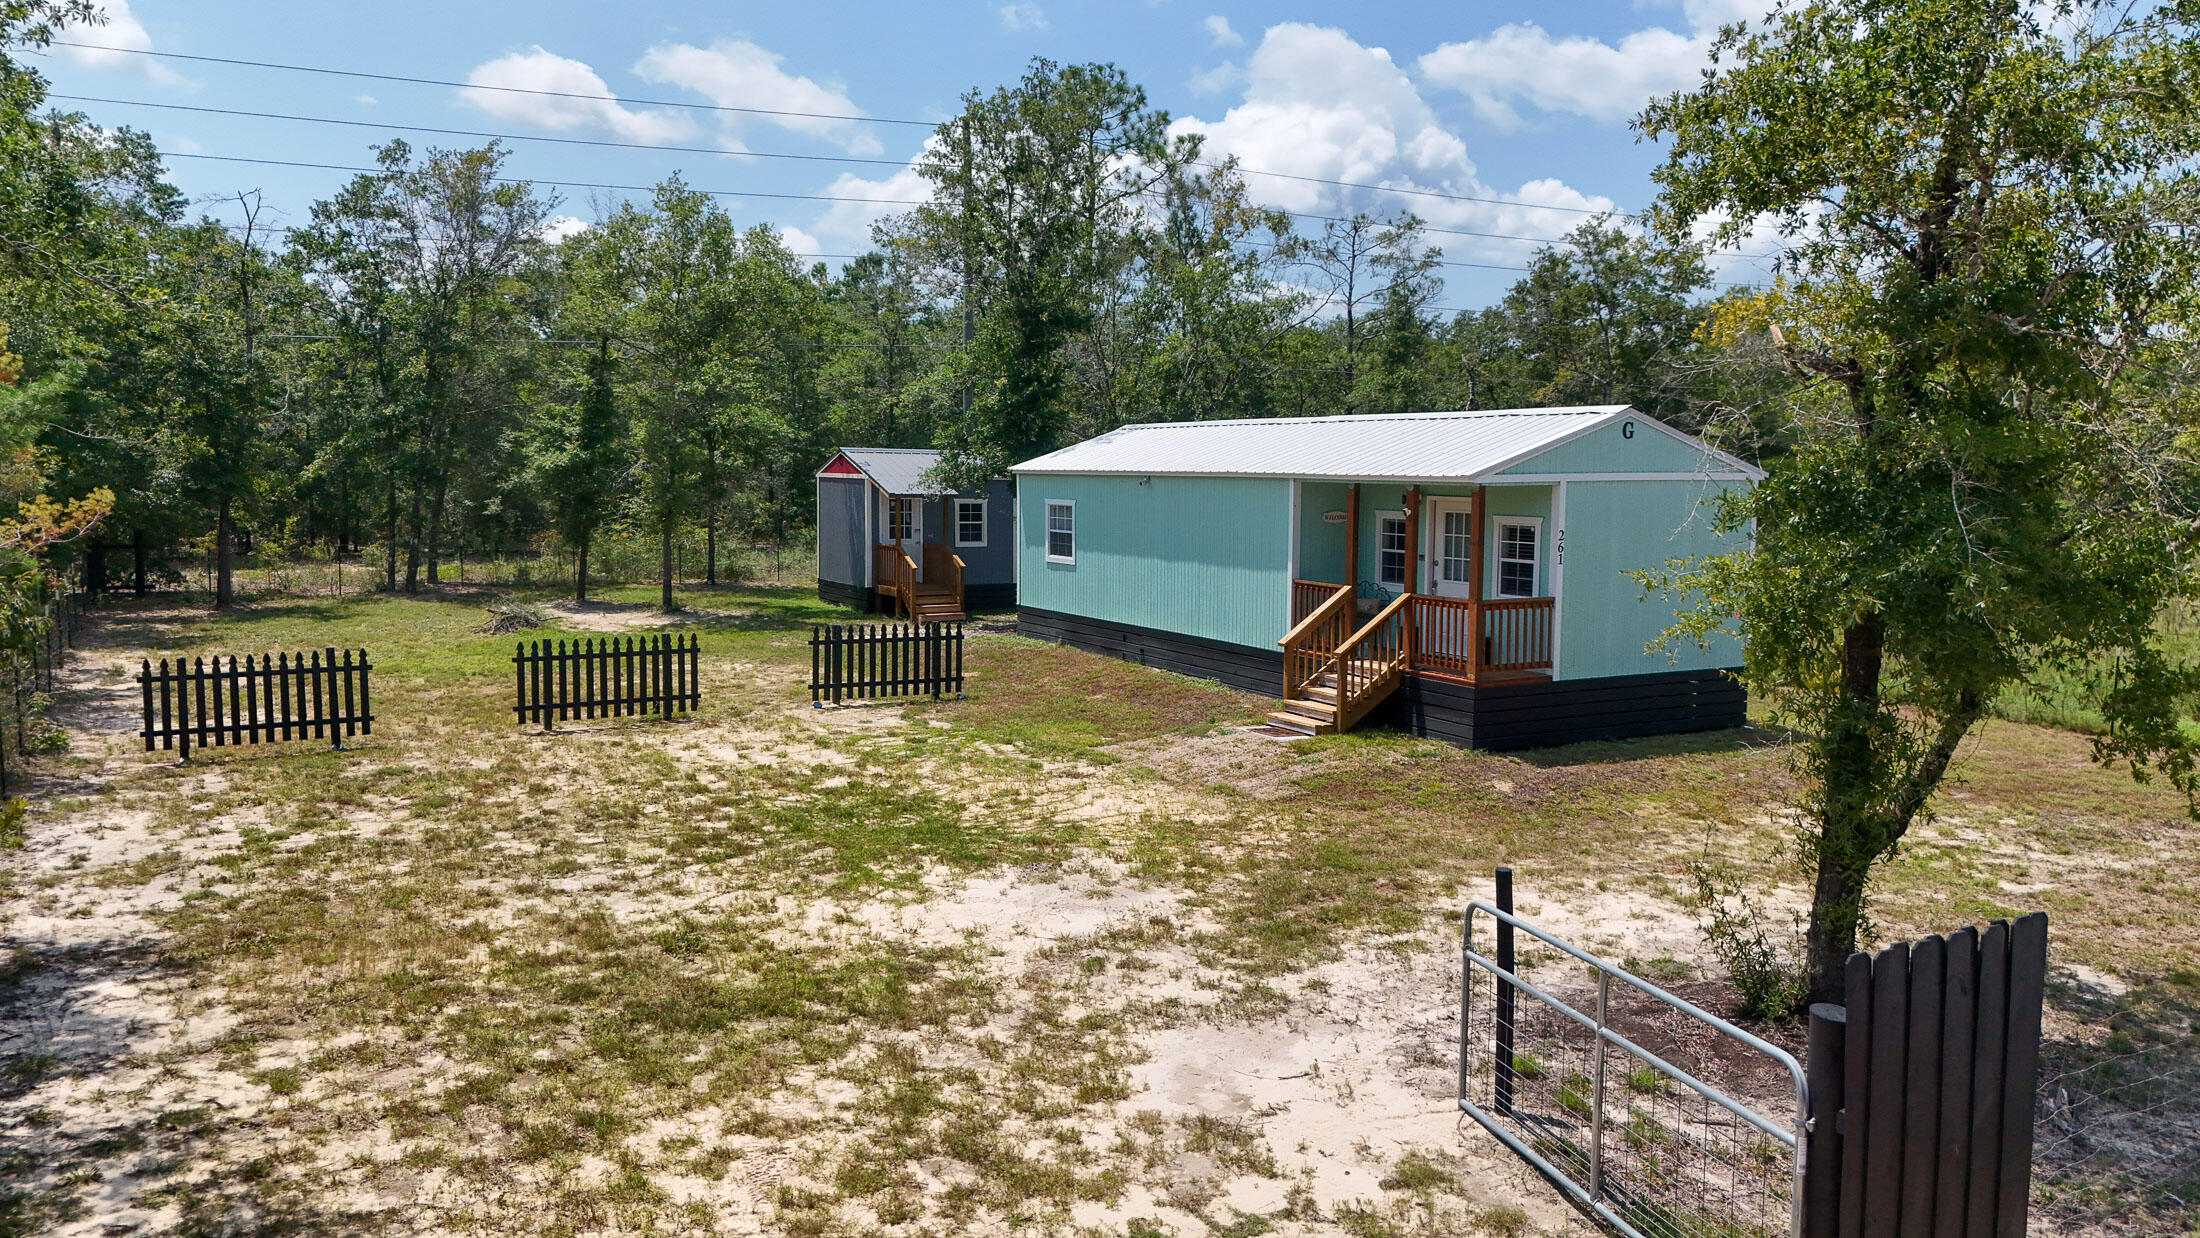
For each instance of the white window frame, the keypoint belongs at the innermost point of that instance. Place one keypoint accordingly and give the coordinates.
(897, 504)
(1405, 569)
(1070, 506)
(956, 514)
(1498, 559)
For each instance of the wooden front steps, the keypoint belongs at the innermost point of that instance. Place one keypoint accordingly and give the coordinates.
(937, 604)
(1314, 710)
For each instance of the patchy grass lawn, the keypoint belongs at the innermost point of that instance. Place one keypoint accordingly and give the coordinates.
(1072, 955)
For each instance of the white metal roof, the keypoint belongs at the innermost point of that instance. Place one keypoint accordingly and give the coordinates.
(1375, 447)
(897, 470)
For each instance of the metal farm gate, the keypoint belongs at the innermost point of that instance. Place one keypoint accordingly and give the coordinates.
(1914, 1116)
(1663, 1119)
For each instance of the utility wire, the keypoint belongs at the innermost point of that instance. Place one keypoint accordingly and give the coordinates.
(478, 133)
(711, 150)
(882, 120)
(514, 90)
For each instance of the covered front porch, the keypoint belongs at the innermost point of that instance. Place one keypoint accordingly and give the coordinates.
(1450, 582)
(913, 570)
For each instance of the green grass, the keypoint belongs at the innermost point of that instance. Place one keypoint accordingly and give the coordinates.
(648, 948)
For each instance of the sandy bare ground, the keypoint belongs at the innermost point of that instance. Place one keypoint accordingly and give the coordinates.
(126, 1111)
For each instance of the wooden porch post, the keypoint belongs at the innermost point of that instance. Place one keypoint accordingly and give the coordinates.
(1412, 505)
(1352, 537)
(1474, 585)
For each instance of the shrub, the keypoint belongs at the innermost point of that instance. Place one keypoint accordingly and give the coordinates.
(1772, 977)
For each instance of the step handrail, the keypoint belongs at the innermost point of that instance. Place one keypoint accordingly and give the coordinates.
(1368, 664)
(1311, 643)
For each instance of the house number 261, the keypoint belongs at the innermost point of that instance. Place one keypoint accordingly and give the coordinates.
(1560, 547)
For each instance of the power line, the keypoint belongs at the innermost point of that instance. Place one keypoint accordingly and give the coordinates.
(707, 150)
(515, 90)
(1442, 195)
(529, 180)
(478, 133)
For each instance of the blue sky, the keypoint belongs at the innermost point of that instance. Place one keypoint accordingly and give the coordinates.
(1499, 111)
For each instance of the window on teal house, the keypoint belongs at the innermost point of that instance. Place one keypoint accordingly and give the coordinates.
(1061, 531)
(1516, 558)
(1390, 548)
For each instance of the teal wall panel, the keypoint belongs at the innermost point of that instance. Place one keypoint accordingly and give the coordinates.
(1611, 450)
(1207, 556)
(1612, 528)
(1321, 545)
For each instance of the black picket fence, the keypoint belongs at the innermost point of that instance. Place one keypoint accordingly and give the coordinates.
(273, 698)
(611, 677)
(860, 661)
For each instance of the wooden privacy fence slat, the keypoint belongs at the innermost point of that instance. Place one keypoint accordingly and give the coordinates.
(858, 661)
(1922, 1088)
(607, 677)
(270, 698)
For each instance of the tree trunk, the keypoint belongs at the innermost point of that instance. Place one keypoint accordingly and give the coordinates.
(137, 562)
(664, 549)
(389, 545)
(710, 548)
(412, 544)
(225, 583)
(1850, 825)
(580, 574)
(435, 531)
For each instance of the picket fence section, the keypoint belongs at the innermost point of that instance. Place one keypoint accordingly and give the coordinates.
(271, 698)
(608, 677)
(863, 661)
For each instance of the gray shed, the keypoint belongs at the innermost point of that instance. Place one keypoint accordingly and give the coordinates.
(889, 540)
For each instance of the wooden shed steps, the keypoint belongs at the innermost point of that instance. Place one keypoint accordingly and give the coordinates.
(937, 604)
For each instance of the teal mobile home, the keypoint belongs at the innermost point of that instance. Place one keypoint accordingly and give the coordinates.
(1462, 575)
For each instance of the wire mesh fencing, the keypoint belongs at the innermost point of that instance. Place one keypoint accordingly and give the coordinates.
(1661, 1118)
(2117, 1145)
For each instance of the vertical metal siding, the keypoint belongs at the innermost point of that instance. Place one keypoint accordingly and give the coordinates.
(841, 553)
(1205, 556)
(1615, 527)
(1608, 449)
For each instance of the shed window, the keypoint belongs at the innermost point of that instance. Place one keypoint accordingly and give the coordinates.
(1390, 548)
(1516, 559)
(970, 522)
(901, 520)
(1061, 531)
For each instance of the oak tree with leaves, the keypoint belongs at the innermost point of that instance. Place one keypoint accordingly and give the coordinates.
(1987, 204)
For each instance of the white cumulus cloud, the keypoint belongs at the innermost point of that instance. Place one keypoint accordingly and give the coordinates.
(559, 227)
(1320, 108)
(845, 225)
(798, 242)
(115, 26)
(1022, 15)
(1221, 32)
(563, 78)
(739, 74)
(1523, 63)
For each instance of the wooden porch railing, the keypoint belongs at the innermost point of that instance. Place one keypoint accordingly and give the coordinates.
(943, 567)
(896, 574)
(1516, 633)
(1369, 663)
(1306, 595)
(1311, 644)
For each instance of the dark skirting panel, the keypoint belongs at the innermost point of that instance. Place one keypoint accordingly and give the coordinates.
(1239, 666)
(978, 598)
(1489, 716)
(854, 597)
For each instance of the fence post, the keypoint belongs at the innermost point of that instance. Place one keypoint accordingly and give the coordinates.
(1505, 995)
(1823, 1077)
(1596, 1102)
(343, 709)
